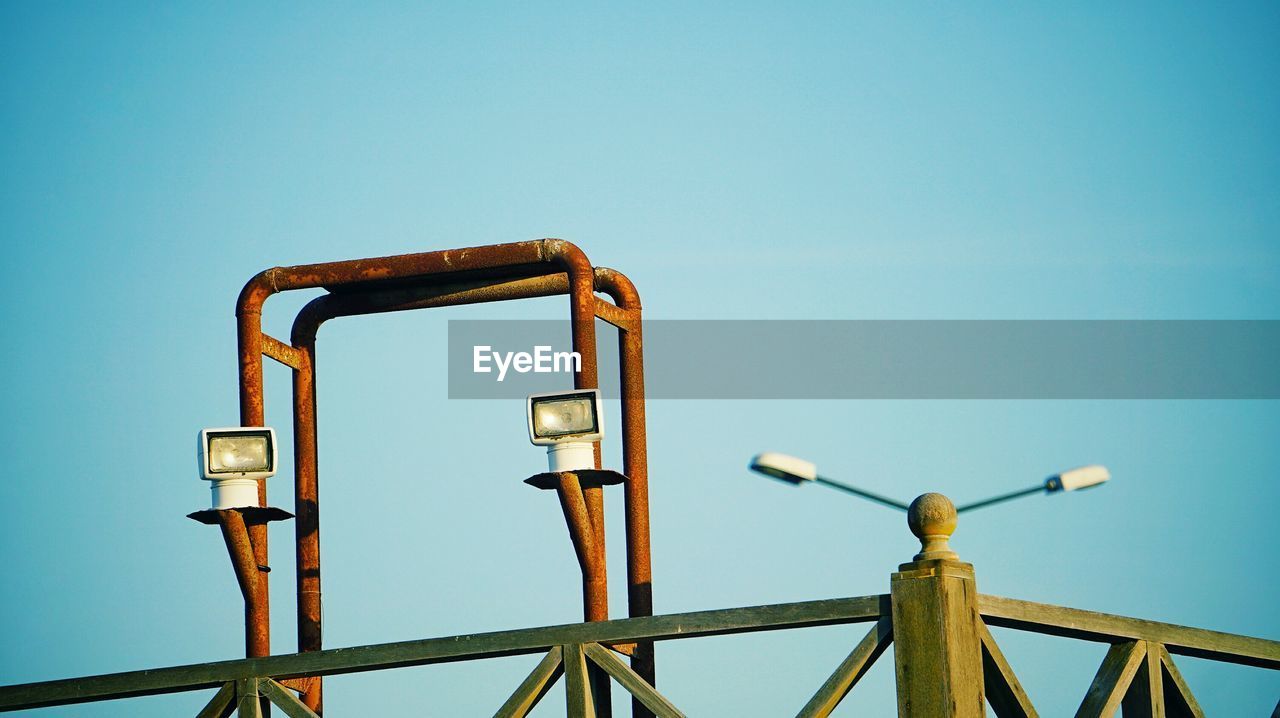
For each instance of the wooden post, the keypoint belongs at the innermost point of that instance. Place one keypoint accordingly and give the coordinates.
(578, 694)
(937, 644)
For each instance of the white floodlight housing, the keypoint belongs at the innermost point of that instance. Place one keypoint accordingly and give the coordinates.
(1081, 478)
(559, 416)
(234, 459)
(567, 423)
(785, 468)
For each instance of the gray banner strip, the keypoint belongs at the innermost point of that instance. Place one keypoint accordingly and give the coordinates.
(699, 359)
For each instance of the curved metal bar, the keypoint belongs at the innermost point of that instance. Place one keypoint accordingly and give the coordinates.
(435, 279)
(361, 272)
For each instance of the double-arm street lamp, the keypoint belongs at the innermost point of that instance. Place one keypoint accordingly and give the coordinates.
(798, 471)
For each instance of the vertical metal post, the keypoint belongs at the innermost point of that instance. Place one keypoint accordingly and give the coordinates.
(635, 462)
(249, 336)
(306, 501)
(937, 649)
(583, 326)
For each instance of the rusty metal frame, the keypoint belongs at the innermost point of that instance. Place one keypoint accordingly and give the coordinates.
(539, 268)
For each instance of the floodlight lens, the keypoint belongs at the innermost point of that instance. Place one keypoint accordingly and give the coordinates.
(239, 454)
(564, 417)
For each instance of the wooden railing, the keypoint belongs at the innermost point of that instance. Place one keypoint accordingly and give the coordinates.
(946, 661)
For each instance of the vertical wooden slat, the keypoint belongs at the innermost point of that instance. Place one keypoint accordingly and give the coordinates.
(220, 706)
(630, 680)
(849, 672)
(534, 686)
(285, 699)
(1178, 701)
(1145, 697)
(248, 702)
(1112, 680)
(1004, 691)
(577, 686)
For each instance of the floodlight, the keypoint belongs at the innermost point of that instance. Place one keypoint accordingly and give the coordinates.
(1082, 478)
(234, 459)
(784, 468)
(567, 423)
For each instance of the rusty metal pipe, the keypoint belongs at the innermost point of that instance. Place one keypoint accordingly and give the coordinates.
(405, 266)
(588, 545)
(584, 538)
(526, 262)
(306, 502)
(331, 306)
(250, 342)
(236, 535)
(306, 488)
(635, 459)
(583, 325)
(635, 451)
(240, 548)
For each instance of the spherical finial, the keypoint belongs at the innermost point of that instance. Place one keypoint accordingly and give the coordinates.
(932, 518)
(931, 515)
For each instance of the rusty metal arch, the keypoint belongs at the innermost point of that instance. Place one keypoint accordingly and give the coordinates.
(503, 272)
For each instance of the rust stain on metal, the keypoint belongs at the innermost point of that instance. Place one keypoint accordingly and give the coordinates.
(635, 459)
(251, 575)
(437, 279)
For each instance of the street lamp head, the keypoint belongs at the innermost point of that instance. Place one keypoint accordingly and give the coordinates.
(1082, 478)
(234, 459)
(784, 468)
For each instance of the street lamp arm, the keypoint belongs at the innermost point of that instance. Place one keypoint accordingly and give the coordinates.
(1002, 498)
(797, 472)
(859, 492)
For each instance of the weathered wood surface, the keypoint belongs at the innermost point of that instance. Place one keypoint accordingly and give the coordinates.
(220, 705)
(936, 649)
(1004, 691)
(285, 699)
(534, 686)
(1091, 626)
(577, 684)
(997, 611)
(1112, 680)
(630, 680)
(1178, 701)
(248, 702)
(1145, 697)
(440, 650)
(849, 672)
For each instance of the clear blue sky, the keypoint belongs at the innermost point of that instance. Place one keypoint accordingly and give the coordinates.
(839, 161)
